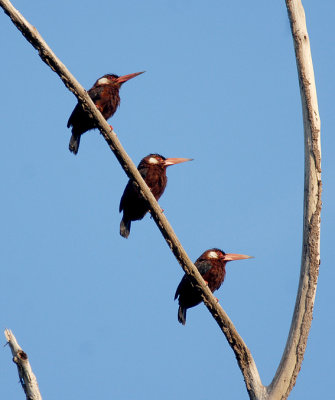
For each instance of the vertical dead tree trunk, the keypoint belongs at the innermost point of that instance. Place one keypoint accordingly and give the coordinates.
(290, 364)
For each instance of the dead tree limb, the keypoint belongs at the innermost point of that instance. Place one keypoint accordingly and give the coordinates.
(290, 364)
(27, 378)
(242, 353)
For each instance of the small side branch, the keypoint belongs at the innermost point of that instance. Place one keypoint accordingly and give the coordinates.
(27, 378)
(242, 353)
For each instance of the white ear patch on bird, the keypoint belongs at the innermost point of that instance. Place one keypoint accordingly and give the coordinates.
(213, 254)
(153, 160)
(103, 81)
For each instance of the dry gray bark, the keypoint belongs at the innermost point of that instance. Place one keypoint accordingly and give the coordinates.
(290, 364)
(27, 378)
(289, 367)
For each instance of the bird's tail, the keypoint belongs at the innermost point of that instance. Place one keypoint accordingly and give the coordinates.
(74, 143)
(182, 315)
(125, 227)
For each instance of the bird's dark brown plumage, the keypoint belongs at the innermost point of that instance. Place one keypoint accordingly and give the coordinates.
(153, 170)
(212, 267)
(105, 95)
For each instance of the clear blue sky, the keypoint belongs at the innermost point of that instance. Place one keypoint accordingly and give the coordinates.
(95, 312)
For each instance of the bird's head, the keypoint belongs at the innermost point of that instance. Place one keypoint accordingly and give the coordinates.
(115, 80)
(158, 160)
(217, 254)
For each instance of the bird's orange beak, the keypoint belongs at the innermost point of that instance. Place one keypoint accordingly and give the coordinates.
(173, 161)
(233, 257)
(125, 78)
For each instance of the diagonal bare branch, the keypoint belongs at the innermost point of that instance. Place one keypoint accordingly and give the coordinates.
(27, 378)
(242, 353)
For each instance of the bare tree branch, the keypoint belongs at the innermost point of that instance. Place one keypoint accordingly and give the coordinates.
(290, 364)
(242, 353)
(27, 378)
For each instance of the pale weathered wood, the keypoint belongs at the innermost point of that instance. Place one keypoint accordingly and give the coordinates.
(27, 378)
(242, 353)
(290, 364)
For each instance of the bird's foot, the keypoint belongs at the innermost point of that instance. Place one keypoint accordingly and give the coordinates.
(206, 283)
(112, 130)
(216, 299)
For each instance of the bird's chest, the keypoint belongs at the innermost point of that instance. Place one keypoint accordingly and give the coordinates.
(156, 180)
(215, 276)
(108, 102)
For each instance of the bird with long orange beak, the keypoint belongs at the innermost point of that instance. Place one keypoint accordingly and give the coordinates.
(212, 267)
(153, 170)
(105, 95)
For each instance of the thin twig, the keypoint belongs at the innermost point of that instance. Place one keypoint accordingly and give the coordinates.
(242, 353)
(27, 378)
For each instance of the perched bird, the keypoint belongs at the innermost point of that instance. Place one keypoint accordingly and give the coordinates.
(105, 95)
(153, 170)
(212, 267)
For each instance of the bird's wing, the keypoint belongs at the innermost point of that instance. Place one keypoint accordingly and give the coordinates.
(126, 193)
(121, 203)
(95, 93)
(130, 189)
(143, 170)
(70, 121)
(180, 286)
(203, 266)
